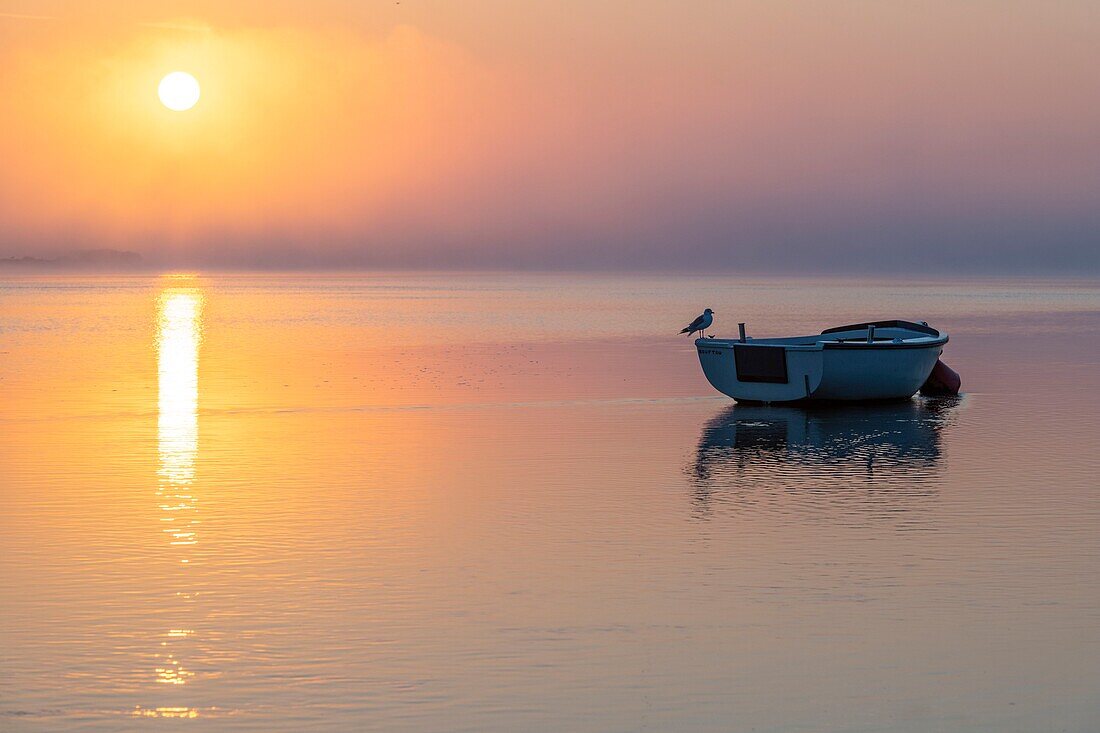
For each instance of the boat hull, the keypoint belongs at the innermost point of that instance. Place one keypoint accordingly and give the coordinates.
(875, 374)
(823, 368)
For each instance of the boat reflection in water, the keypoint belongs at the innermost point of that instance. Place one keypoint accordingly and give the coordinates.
(848, 461)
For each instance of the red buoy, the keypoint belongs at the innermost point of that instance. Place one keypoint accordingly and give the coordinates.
(942, 381)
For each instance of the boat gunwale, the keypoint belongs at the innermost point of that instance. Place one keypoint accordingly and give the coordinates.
(910, 344)
(923, 342)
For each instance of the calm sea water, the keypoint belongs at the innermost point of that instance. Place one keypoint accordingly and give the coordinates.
(512, 503)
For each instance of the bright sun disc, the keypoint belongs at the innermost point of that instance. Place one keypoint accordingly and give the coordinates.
(178, 91)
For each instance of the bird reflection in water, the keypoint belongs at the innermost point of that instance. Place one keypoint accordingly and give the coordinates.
(848, 462)
(179, 334)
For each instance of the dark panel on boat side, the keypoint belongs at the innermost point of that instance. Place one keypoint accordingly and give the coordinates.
(761, 363)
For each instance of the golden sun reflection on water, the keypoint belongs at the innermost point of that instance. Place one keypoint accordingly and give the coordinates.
(179, 334)
(165, 712)
(179, 331)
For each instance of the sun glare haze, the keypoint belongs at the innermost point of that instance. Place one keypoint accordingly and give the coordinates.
(422, 134)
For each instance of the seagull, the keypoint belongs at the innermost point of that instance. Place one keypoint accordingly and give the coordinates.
(701, 323)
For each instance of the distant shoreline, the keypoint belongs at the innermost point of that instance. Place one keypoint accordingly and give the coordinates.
(89, 259)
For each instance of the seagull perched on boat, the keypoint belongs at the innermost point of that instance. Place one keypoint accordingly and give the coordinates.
(701, 323)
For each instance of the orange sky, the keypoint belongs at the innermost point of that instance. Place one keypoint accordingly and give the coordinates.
(763, 134)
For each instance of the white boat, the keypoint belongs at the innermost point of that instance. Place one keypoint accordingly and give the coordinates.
(879, 360)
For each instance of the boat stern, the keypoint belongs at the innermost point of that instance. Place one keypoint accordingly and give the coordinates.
(751, 372)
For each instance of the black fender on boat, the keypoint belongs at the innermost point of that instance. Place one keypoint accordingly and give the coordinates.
(942, 381)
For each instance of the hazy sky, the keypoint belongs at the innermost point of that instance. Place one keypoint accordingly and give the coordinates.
(768, 135)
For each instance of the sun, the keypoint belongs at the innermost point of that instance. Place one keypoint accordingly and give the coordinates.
(178, 91)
